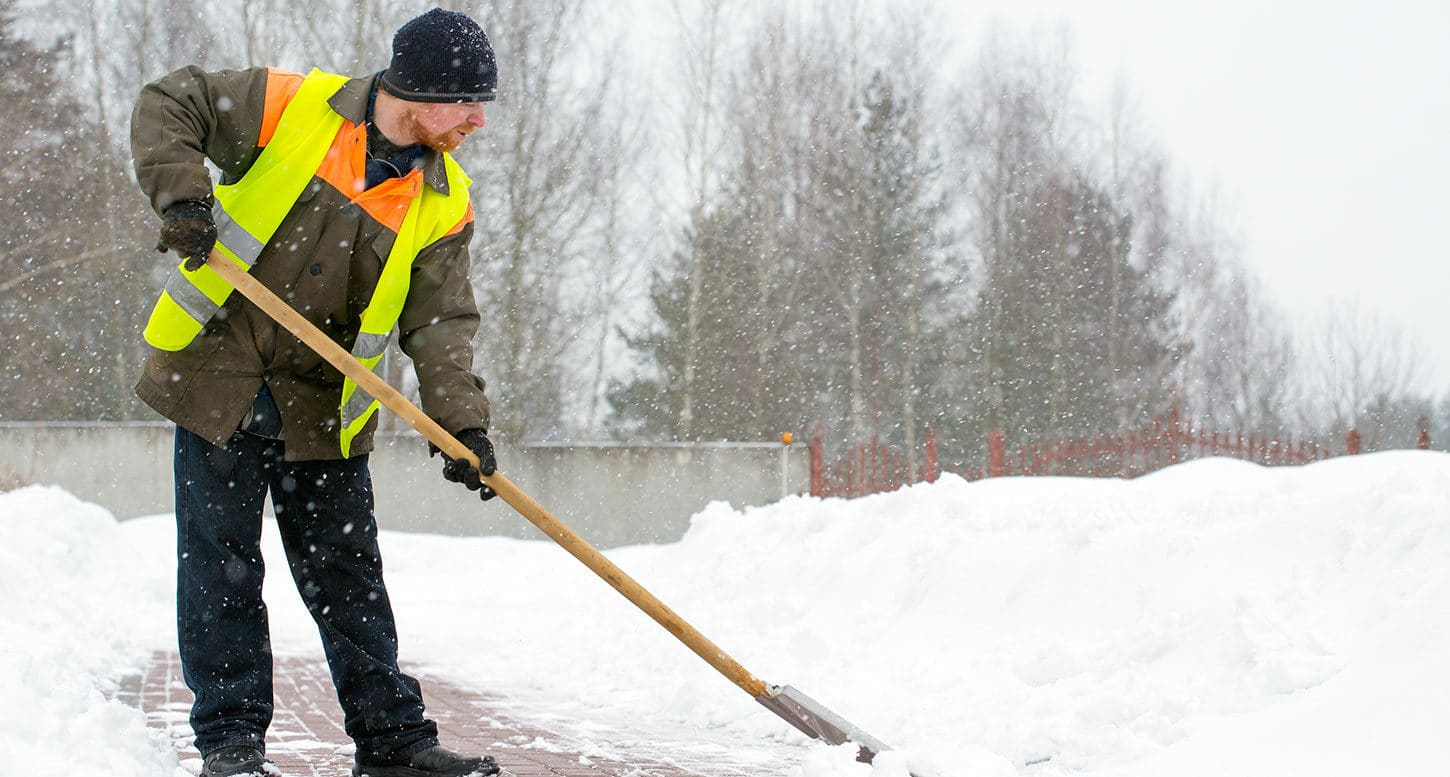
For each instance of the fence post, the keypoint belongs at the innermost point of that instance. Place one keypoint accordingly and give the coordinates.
(854, 472)
(931, 453)
(1173, 433)
(818, 487)
(996, 453)
(1423, 443)
(1351, 442)
(875, 481)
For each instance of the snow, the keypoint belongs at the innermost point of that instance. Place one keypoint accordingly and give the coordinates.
(1214, 618)
(74, 603)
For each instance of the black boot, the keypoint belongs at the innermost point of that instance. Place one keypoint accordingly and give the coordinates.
(234, 761)
(436, 761)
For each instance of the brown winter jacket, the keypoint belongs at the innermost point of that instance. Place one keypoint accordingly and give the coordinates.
(325, 260)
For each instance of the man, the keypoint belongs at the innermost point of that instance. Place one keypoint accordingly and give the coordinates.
(341, 196)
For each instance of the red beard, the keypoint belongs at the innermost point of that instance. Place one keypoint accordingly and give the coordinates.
(447, 141)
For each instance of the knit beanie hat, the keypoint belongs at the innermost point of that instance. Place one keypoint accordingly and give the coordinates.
(441, 57)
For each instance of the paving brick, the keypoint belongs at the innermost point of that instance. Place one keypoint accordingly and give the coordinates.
(307, 740)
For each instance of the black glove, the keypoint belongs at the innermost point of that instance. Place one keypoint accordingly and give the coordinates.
(460, 471)
(188, 229)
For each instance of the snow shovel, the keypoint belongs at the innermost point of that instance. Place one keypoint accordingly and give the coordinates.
(797, 709)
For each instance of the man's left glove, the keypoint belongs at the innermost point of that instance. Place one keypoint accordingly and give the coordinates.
(460, 471)
(188, 229)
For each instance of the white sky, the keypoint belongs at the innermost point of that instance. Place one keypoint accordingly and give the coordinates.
(1320, 125)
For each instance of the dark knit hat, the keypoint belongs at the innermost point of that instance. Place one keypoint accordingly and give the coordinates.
(441, 57)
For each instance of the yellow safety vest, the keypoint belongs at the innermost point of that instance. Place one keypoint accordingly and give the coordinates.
(249, 212)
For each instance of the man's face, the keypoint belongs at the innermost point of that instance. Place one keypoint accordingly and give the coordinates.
(443, 126)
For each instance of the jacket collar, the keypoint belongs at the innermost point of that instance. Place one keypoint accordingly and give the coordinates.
(351, 103)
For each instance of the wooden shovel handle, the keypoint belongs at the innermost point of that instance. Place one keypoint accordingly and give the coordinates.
(524, 504)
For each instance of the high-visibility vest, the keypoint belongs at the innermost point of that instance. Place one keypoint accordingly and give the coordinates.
(249, 212)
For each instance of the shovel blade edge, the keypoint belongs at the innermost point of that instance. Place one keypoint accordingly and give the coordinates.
(812, 718)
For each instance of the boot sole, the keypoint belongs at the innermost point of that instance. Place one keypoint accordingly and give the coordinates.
(408, 771)
(265, 770)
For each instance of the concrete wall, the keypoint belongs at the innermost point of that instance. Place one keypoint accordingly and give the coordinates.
(612, 494)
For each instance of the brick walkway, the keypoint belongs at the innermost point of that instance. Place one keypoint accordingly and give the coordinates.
(306, 738)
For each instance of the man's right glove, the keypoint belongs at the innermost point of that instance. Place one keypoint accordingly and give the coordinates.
(188, 229)
(460, 471)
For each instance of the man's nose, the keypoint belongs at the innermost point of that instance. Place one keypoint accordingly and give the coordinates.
(475, 116)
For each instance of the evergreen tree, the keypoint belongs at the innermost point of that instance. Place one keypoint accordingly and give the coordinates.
(902, 234)
(820, 303)
(1081, 333)
(749, 382)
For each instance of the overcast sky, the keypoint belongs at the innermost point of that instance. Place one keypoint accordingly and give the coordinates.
(1322, 126)
(1320, 129)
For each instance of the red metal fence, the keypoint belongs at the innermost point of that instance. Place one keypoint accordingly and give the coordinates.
(874, 467)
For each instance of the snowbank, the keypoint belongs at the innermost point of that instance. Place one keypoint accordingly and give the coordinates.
(75, 607)
(1035, 626)
(1215, 618)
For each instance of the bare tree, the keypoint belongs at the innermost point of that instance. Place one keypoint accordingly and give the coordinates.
(1238, 374)
(535, 204)
(613, 272)
(1013, 109)
(701, 27)
(917, 48)
(361, 42)
(617, 167)
(1356, 364)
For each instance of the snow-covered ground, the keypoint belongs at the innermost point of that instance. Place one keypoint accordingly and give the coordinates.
(1217, 618)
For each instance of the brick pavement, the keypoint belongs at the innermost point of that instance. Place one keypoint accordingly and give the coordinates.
(306, 738)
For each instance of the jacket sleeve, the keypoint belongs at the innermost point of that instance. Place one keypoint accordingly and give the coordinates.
(190, 116)
(436, 331)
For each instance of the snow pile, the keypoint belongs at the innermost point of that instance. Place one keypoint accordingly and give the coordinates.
(1201, 618)
(72, 607)
(1217, 618)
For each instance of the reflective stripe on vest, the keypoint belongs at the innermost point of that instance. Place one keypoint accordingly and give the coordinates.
(249, 212)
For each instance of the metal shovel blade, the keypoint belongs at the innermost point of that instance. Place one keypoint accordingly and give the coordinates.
(815, 720)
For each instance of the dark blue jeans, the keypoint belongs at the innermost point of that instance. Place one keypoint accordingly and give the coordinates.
(325, 516)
